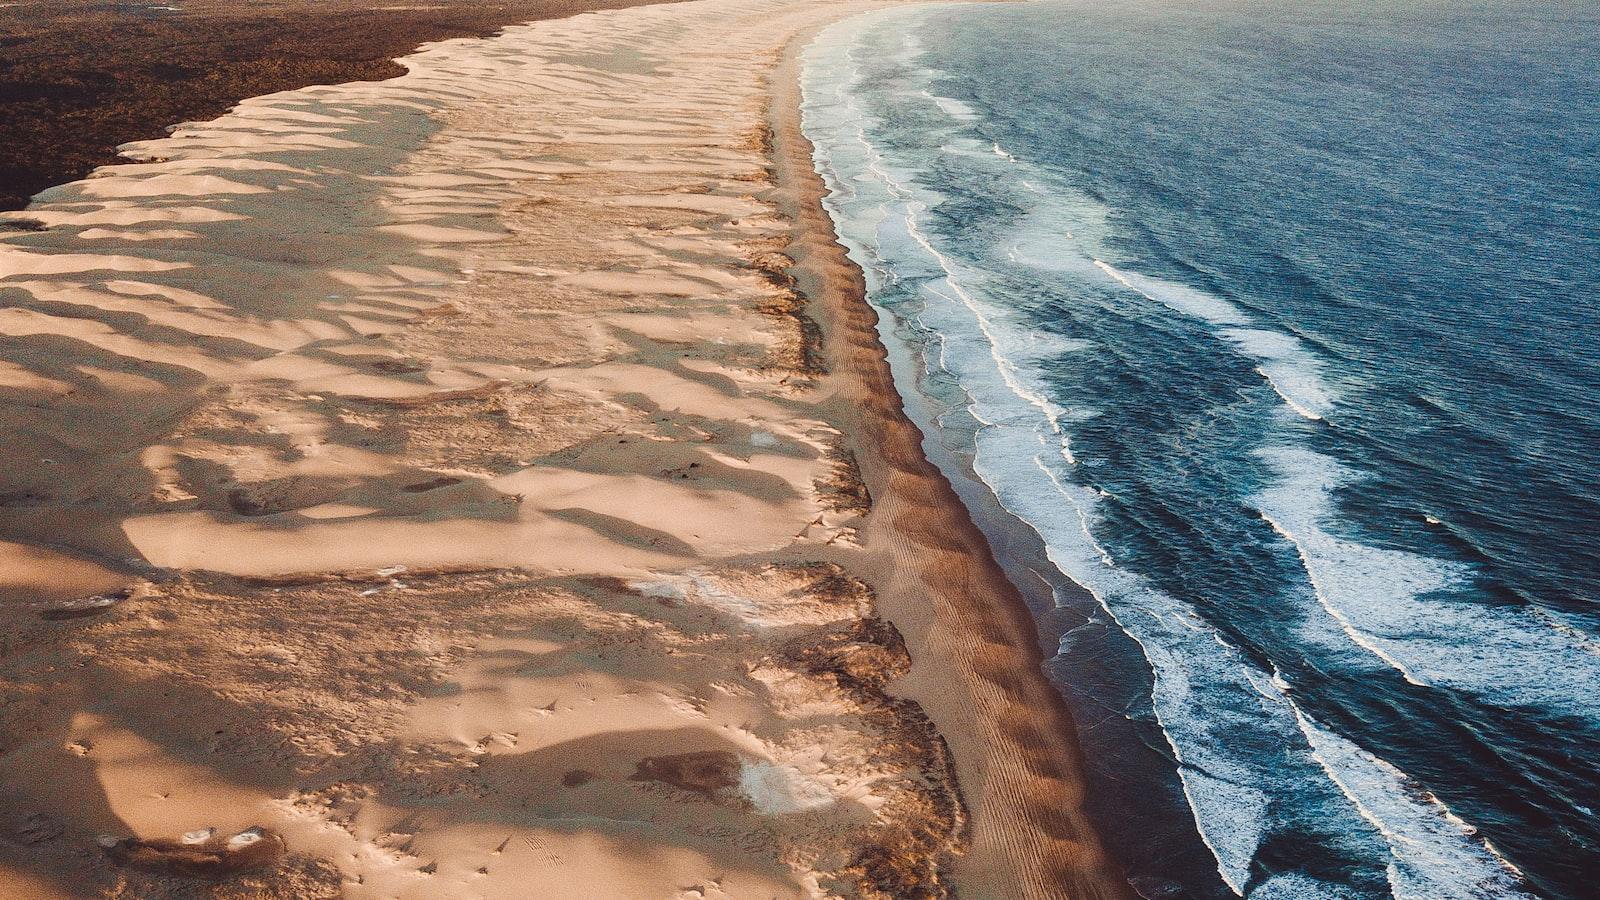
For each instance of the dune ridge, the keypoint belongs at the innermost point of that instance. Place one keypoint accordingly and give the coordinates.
(443, 477)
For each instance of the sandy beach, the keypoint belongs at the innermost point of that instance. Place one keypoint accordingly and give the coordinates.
(79, 79)
(489, 483)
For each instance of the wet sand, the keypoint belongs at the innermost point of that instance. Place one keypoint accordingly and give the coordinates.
(487, 482)
(938, 581)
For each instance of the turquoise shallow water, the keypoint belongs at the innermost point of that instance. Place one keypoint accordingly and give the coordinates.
(1276, 324)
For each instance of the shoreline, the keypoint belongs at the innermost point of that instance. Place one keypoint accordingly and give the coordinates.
(446, 458)
(922, 533)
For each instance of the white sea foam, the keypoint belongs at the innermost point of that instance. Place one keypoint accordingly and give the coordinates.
(1406, 609)
(955, 109)
(1179, 297)
(895, 216)
(1437, 855)
(1201, 698)
(1292, 371)
(1241, 747)
(1061, 232)
(1299, 886)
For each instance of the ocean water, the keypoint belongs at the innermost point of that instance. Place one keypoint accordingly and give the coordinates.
(1262, 337)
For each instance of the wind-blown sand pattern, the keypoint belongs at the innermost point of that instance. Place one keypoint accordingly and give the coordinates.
(442, 477)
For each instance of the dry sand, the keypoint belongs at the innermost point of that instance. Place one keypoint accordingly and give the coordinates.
(438, 487)
(79, 78)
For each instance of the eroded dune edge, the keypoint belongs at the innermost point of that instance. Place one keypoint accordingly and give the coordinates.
(444, 487)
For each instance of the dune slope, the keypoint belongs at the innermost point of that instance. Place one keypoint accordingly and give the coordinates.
(436, 487)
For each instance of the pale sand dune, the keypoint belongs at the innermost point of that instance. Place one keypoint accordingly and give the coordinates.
(437, 475)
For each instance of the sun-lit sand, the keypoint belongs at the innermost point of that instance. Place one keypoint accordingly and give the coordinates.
(446, 477)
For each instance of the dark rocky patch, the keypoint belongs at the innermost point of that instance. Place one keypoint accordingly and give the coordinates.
(77, 79)
(431, 484)
(218, 857)
(704, 771)
(84, 607)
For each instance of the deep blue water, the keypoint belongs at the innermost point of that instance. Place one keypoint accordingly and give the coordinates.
(1276, 323)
